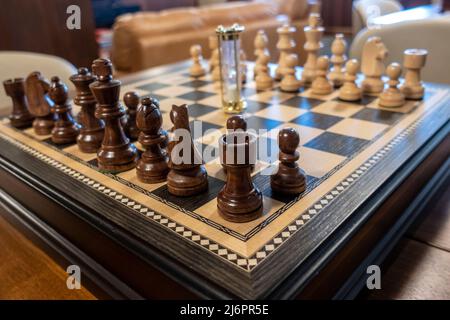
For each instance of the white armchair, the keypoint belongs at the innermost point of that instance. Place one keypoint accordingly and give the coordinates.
(431, 34)
(18, 64)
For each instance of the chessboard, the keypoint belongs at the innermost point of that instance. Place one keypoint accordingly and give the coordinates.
(348, 151)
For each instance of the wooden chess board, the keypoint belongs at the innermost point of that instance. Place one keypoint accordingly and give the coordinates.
(348, 151)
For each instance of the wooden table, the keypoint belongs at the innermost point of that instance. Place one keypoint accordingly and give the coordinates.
(135, 241)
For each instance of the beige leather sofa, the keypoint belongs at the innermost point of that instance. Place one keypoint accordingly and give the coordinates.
(147, 39)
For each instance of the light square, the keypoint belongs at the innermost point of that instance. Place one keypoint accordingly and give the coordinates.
(173, 91)
(308, 94)
(317, 163)
(131, 176)
(213, 101)
(73, 149)
(280, 112)
(409, 106)
(271, 96)
(358, 128)
(210, 211)
(31, 132)
(337, 108)
(217, 117)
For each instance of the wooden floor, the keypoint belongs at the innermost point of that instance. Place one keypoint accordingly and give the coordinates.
(419, 268)
(26, 272)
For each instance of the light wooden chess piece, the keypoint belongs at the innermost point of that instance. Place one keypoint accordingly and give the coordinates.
(290, 83)
(392, 97)
(349, 90)
(413, 61)
(313, 33)
(197, 69)
(261, 43)
(338, 48)
(285, 45)
(372, 65)
(263, 79)
(214, 62)
(321, 85)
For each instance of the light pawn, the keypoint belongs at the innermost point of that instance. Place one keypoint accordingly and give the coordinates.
(321, 85)
(392, 97)
(290, 82)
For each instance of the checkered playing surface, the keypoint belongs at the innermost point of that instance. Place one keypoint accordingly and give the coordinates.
(331, 131)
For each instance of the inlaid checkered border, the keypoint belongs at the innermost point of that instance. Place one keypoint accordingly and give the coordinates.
(247, 264)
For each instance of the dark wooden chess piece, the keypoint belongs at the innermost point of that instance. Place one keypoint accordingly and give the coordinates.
(187, 175)
(236, 123)
(66, 129)
(162, 131)
(239, 200)
(131, 100)
(116, 153)
(39, 103)
(20, 116)
(92, 129)
(289, 178)
(152, 166)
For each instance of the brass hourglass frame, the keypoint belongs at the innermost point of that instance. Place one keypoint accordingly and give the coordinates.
(229, 39)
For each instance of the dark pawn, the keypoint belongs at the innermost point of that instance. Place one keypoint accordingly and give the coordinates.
(116, 153)
(92, 129)
(20, 116)
(289, 178)
(131, 100)
(236, 122)
(39, 103)
(185, 178)
(152, 166)
(66, 129)
(239, 200)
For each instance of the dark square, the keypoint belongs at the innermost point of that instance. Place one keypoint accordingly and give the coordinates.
(196, 95)
(255, 106)
(317, 120)
(59, 146)
(267, 150)
(198, 109)
(302, 102)
(155, 96)
(262, 182)
(337, 144)
(247, 92)
(378, 115)
(195, 83)
(193, 202)
(204, 127)
(152, 86)
(365, 100)
(257, 123)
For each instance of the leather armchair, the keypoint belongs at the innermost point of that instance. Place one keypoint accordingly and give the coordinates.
(147, 39)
